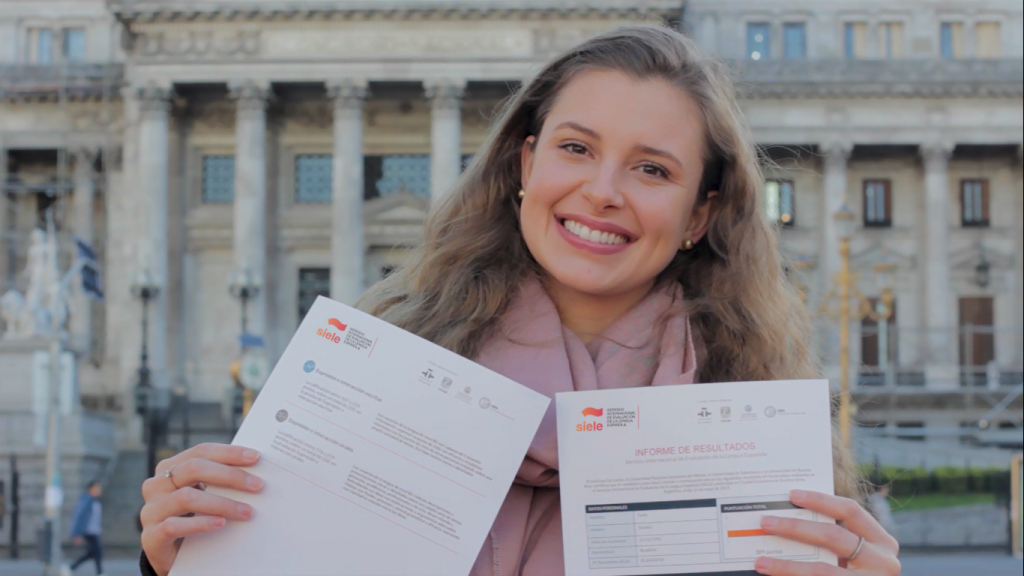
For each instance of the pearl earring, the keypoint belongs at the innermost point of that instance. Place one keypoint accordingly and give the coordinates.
(522, 194)
(688, 245)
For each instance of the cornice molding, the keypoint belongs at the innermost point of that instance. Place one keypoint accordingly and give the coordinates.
(153, 11)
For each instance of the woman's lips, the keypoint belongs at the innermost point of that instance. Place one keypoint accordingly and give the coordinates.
(611, 243)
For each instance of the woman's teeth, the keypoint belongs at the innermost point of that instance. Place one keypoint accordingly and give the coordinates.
(593, 235)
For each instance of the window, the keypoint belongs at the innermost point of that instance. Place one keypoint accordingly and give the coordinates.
(313, 178)
(758, 41)
(877, 203)
(218, 179)
(904, 427)
(855, 39)
(779, 197)
(891, 40)
(43, 46)
(398, 173)
(988, 39)
(951, 40)
(795, 39)
(974, 200)
(74, 44)
(313, 282)
(874, 338)
(977, 340)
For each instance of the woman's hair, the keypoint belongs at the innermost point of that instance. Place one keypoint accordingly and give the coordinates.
(463, 277)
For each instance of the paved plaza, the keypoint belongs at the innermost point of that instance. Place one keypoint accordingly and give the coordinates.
(939, 565)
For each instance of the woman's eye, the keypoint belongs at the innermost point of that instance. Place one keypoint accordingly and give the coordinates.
(654, 170)
(574, 148)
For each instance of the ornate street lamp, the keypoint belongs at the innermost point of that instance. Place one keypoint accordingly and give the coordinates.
(845, 224)
(983, 271)
(146, 290)
(244, 288)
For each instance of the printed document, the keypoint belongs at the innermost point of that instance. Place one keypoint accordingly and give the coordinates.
(675, 479)
(383, 454)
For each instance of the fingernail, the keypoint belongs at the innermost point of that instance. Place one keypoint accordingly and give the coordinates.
(254, 483)
(763, 565)
(798, 495)
(769, 522)
(244, 510)
(217, 522)
(251, 455)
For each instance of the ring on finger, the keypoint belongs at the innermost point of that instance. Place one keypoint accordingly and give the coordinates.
(170, 476)
(856, 553)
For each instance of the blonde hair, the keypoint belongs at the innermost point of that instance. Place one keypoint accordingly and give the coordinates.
(462, 279)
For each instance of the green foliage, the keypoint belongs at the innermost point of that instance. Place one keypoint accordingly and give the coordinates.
(905, 483)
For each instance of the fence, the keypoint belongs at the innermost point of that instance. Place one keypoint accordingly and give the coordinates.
(888, 355)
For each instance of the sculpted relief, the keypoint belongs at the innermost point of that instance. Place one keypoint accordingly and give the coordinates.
(315, 42)
(196, 43)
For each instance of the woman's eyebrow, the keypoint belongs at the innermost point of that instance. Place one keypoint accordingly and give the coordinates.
(579, 128)
(658, 152)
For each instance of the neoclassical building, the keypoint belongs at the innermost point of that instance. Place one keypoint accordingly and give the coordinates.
(300, 144)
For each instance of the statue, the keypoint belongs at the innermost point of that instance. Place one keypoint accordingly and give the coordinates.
(32, 314)
(16, 315)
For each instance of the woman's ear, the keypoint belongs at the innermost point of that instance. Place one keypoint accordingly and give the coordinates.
(526, 160)
(700, 219)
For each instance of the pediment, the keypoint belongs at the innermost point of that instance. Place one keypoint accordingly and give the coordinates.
(402, 208)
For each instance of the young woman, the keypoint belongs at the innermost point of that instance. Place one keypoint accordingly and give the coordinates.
(610, 234)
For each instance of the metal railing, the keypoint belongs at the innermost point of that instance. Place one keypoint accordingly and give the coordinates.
(77, 78)
(892, 356)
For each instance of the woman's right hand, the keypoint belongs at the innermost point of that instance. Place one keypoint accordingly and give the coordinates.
(177, 507)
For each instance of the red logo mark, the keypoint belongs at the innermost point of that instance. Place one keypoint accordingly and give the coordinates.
(337, 324)
(596, 412)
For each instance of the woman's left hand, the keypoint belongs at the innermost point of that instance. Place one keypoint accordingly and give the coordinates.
(877, 556)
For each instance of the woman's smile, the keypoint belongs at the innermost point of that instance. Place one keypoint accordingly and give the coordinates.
(593, 236)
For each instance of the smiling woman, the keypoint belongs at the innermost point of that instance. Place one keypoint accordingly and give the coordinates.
(609, 235)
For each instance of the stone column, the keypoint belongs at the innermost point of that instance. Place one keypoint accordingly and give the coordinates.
(82, 226)
(347, 242)
(940, 318)
(1018, 193)
(445, 134)
(836, 156)
(152, 181)
(6, 263)
(250, 225)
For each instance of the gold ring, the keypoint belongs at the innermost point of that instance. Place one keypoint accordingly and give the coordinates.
(856, 553)
(170, 476)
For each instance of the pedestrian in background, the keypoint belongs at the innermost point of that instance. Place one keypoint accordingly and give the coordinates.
(87, 526)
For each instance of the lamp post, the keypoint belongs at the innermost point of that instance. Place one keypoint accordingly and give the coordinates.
(844, 225)
(847, 294)
(146, 290)
(245, 288)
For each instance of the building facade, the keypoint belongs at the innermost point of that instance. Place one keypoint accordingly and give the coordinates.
(300, 145)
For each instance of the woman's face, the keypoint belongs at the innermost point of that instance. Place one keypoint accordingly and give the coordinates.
(611, 183)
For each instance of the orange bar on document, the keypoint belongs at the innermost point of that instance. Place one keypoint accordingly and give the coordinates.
(746, 533)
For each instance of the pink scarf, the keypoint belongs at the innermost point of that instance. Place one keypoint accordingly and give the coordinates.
(534, 349)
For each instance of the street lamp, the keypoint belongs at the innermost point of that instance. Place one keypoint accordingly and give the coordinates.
(146, 290)
(845, 222)
(845, 285)
(983, 271)
(244, 288)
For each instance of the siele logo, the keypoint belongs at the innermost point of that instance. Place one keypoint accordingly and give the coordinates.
(331, 335)
(591, 426)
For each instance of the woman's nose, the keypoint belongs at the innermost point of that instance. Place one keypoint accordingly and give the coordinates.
(603, 190)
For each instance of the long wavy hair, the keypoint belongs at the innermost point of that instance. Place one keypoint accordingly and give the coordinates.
(462, 279)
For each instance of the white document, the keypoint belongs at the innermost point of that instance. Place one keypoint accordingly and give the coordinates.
(383, 454)
(675, 479)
